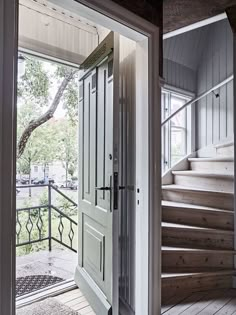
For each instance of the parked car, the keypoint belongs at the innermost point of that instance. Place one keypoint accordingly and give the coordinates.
(55, 184)
(66, 184)
(24, 181)
(38, 181)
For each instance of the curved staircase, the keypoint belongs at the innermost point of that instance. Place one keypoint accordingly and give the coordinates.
(198, 227)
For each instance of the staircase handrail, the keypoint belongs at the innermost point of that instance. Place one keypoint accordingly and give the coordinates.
(192, 101)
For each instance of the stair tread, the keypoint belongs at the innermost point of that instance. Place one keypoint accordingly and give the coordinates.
(166, 275)
(173, 204)
(211, 174)
(190, 227)
(194, 250)
(212, 159)
(201, 190)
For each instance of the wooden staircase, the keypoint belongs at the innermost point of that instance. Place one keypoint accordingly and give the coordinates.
(198, 227)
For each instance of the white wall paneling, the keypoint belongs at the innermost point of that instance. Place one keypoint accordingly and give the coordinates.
(215, 115)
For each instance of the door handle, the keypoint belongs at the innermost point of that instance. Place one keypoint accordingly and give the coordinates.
(103, 188)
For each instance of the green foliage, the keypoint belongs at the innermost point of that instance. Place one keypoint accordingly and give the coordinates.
(43, 199)
(68, 147)
(70, 101)
(34, 85)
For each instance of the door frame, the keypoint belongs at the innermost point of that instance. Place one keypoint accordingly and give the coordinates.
(8, 79)
(148, 159)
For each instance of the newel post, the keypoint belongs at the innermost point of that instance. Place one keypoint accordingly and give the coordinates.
(231, 13)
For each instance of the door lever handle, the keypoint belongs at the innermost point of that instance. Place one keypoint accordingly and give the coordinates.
(103, 188)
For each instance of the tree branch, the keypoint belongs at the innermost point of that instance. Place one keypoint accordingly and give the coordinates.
(46, 116)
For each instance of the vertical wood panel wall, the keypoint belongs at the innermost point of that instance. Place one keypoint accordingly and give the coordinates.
(215, 115)
(179, 76)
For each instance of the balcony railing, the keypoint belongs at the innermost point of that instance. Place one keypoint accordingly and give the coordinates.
(47, 222)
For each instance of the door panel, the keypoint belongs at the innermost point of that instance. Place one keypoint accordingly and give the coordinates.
(96, 164)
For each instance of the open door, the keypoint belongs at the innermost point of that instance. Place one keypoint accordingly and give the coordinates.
(97, 271)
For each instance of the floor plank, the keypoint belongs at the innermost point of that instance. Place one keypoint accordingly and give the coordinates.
(186, 304)
(216, 305)
(217, 302)
(228, 309)
(173, 301)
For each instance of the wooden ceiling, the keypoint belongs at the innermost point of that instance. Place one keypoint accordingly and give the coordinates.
(180, 13)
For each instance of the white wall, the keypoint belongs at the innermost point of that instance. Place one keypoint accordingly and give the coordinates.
(56, 171)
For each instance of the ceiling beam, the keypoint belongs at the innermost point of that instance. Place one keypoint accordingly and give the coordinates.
(196, 25)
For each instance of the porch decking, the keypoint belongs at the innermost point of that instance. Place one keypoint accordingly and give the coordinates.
(60, 263)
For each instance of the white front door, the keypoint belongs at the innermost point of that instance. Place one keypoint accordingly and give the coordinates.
(98, 179)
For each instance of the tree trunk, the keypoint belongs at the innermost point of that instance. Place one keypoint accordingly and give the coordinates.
(46, 116)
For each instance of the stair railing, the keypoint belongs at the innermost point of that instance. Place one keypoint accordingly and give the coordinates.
(47, 222)
(198, 98)
(191, 102)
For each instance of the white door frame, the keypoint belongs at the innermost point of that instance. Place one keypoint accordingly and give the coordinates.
(148, 220)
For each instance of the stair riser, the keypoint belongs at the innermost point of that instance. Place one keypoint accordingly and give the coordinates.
(198, 198)
(212, 166)
(211, 183)
(176, 237)
(184, 261)
(197, 217)
(174, 286)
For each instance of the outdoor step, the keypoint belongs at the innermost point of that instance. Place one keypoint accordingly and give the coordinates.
(176, 235)
(205, 180)
(174, 212)
(217, 164)
(194, 282)
(193, 260)
(196, 196)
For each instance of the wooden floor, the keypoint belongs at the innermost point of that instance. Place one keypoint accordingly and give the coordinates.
(219, 302)
(76, 301)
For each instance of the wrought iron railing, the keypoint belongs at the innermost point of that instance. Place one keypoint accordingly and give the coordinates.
(47, 222)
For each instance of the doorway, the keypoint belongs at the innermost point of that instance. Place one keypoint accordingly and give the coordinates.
(147, 188)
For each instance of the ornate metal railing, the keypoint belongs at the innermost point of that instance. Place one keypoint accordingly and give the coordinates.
(47, 222)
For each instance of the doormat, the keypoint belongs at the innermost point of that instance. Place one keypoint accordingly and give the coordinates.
(28, 284)
(46, 307)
